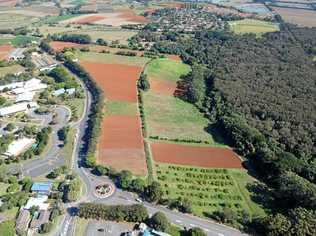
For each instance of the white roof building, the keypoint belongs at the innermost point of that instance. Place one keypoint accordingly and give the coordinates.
(71, 90)
(38, 201)
(17, 54)
(17, 108)
(12, 85)
(25, 97)
(58, 92)
(30, 85)
(18, 146)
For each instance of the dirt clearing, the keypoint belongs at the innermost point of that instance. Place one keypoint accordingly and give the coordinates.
(209, 157)
(4, 51)
(121, 144)
(297, 16)
(88, 19)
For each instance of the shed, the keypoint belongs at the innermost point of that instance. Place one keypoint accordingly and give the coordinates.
(42, 188)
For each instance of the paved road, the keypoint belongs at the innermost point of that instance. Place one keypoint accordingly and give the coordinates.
(50, 159)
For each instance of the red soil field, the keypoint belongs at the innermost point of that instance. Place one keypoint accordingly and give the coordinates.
(8, 3)
(162, 87)
(129, 15)
(208, 157)
(88, 19)
(4, 51)
(121, 144)
(59, 46)
(173, 57)
(117, 81)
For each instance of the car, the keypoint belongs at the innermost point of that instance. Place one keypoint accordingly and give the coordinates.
(138, 200)
(101, 230)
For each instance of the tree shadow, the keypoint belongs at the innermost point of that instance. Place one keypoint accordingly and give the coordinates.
(261, 194)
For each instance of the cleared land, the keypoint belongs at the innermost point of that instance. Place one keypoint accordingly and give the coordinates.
(167, 116)
(13, 20)
(208, 157)
(111, 59)
(121, 144)
(117, 81)
(10, 69)
(106, 34)
(297, 16)
(4, 51)
(208, 190)
(253, 26)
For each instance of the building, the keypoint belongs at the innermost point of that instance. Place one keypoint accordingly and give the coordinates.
(39, 218)
(20, 107)
(41, 188)
(22, 221)
(43, 62)
(29, 86)
(12, 86)
(18, 146)
(39, 201)
(61, 91)
(25, 97)
(17, 54)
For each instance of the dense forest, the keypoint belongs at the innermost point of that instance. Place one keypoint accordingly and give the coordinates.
(260, 92)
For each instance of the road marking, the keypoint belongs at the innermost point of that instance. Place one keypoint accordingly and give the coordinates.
(192, 225)
(220, 234)
(205, 229)
(179, 221)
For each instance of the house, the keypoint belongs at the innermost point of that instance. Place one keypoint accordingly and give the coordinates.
(39, 218)
(23, 220)
(41, 188)
(38, 201)
(17, 54)
(71, 91)
(17, 108)
(25, 97)
(18, 146)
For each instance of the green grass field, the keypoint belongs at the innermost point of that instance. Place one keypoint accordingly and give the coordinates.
(208, 190)
(56, 19)
(120, 108)
(95, 33)
(10, 69)
(170, 117)
(11, 20)
(7, 228)
(166, 69)
(67, 150)
(17, 41)
(257, 27)
(76, 106)
(111, 59)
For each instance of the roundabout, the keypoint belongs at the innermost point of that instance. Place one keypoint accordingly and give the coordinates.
(104, 190)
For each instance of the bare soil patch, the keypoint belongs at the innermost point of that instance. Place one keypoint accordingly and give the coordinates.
(4, 51)
(88, 19)
(8, 3)
(297, 16)
(163, 87)
(59, 46)
(121, 144)
(209, 157)
(117, 81)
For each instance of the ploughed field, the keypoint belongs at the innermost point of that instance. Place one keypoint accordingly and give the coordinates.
(212, 157)
(121, 142)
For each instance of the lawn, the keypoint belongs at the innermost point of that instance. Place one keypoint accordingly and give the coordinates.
(3, 188)
(111, 59)
(80, 226)
(7, 228)
(208, 190)
(67, 150)
(120, 108)
(257, 27)
(76, 106)
(166, 69)
(10, 69)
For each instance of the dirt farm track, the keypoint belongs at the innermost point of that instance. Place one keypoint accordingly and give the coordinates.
(207, 157)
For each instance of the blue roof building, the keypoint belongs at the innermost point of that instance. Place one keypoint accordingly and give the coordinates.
(42, 188)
